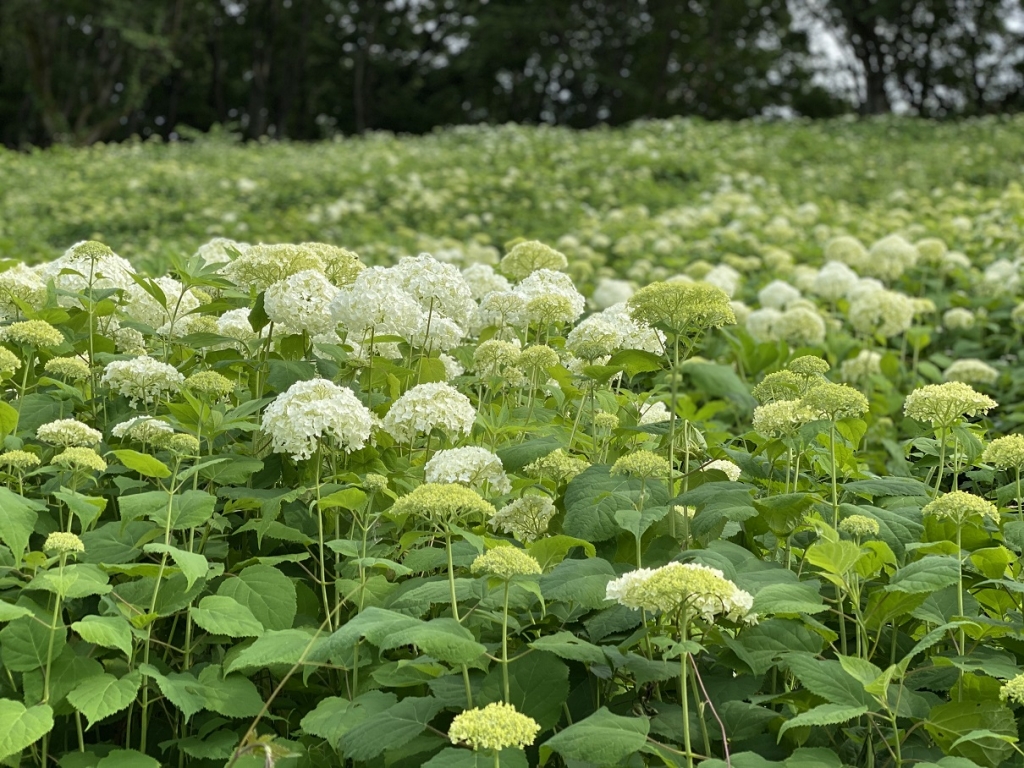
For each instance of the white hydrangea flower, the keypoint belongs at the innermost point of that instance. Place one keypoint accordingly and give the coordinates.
(725, 277)
(68, 432)
(889, 258)
(216, 250)
(541, 290)
(611, 291)
(472, 466)
(482, 279)
(452, 367)
(377, 304)
(527, 519)
(634, 335)
(881, 313)
(1002, 276)
(439, 288)
(623, 590)
(594, 337)
(731, 470)
(777, 294)
(235, 324)
(655, 413)
(863, 287)
(439, 333)
(24, 284)
(866, 363)
(833, 281)
(300, 417)
(958, 319)
(141, 378)
(141, 307)
(426, 407)
(83, 264)
(144, 429)
(761, 324)
(799, 326)
(501, 309)
(971, 371)
(302, 302)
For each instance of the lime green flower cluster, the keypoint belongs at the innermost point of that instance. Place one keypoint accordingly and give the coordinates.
(506, 563)
(643, 463)
(493, 728)
(443, 504)
(959, 506)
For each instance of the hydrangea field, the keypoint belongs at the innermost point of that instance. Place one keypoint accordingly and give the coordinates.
(673, 445)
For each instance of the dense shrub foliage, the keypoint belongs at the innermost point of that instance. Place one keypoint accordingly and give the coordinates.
(729, 479)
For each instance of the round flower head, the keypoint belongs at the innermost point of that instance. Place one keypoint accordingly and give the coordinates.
(80, 458)
(971, 371)
(495, 727)
(209, 383)
(472, 466)
(698, 589)
(833, 281)
(760, 324)
(63, 543)
(859, 526)
(20, 284)
(835, 401)
(493, 355)
(501, 309)
(144, 429)
(958, 506)
(931, 250)
(784, 385)
(307, 411)
(142, 378)
(881, 313)
(482, 279)
(439, 333)
(777, 294)
(141, 306)
(655, 413)
(593, 338)
(550, 297)
(539, 357)
(611, 291)
(84, 266)
(866, 363)
(260, 266)
(527, 519)
(643, 464)
(731, 471)
(809, 365)
(506, 563)
(557, 465)
(443, 504)
(9, 361)
(781, 417)
(68, 432)
(301, 303)
(800, 326)
(341, 265)
(1013, 690)
(427, 407)
(19, 460)
(631, 333)
(606, 421)
(439, 288)
(219, 250)
(38, 333)
(889, 258)
(186, 445)
(235, 325)
(681, 308)
(72, 368)
(529, 256)
(377, 304)
(943, 405)
(1005, 452)
(846, 250)
(958, 319)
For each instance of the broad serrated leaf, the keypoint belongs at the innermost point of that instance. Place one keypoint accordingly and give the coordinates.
(222, 615)
(824, 714)
(389, 729)
(142, 463)
(567, 646)
(266, 592)
(593, 497)
(602, 739)
(192, 565)
(828, 680)
(106, 631)
(21, 726)
(929, 574)
(583, 582)
(284, 646)
(104, 695)
(17, 519)
(801, 597)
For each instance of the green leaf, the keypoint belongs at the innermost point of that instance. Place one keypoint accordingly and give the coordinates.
(24, 642)
(802, 597)
(10, 612)
(834, 557)
(182, 689)
(763, 645)
(127, 758)
(601, 739)
(453, 757)
(444, 639)
(720, 381)
(634, 361)
(952, 723)
(284, 646)
(106, 632)
(783, 513)
(583, 582)
(17, 520)
(22, 727)
(8, 420)
(229, 695)
(222, 615)
(142, 463)
(552, 549)
(515, 457)
(104, 695)
(334, 716)
(390, 729)
(190, 509)
(538, 687)
(86, 508)
(888, 486)
(824, 714)
(594, 496)
(266, 592)
(567, 646)
(828, 680)
(929, 574)
(347, 498)
(193, 566)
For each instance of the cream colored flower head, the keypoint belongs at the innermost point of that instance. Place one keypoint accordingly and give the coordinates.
(63, 543)
(38, 333)
(443, 504)
(68, 432)
(80, 458)
(493, 728)
(644, 464)
(859, 526)
(1005, 452)
(943, 405)
(700, 590)
(506, 563)
(959, 506)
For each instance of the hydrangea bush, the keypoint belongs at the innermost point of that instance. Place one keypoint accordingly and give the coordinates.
(738, 485)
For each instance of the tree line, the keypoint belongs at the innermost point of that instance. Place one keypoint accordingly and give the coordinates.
(81, 71)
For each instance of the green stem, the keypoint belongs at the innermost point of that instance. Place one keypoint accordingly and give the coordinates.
(504, 648)
(673, 401)
(960, 607)
(683, 694)
(455, 612)
(1020, 512)
(942, 458)
(835, 487)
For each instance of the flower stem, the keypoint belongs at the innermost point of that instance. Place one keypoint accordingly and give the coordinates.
(455, 612)
(504, 650)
